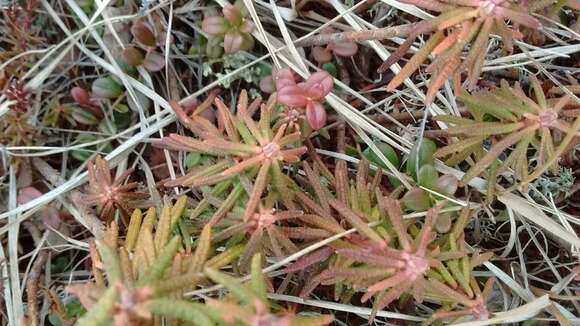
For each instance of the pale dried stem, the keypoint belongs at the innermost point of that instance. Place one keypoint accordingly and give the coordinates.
(358, 36)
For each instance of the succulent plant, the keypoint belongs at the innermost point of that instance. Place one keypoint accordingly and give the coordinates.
(108, 194)
(243, 146)
(458, 25)
(409, 260)
(233, 28)
(306, 95)
(245, 304)
(323, 54)
(135, 282)
(271, 231)
(508, 117)
(81, 96)
(106, 87)
(144, 51)
(17, 92)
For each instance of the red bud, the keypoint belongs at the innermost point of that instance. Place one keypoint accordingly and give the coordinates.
(81, 96)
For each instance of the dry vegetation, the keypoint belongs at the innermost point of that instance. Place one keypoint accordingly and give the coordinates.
(301, 162)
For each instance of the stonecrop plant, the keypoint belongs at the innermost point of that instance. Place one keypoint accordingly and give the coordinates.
(108, 194)
(409, 261)
(144, 51)
(240, 146)
(238, 162)
(508, 117)
(306, 95)
(323, 54)
(245, 304)
(273, 232)
(144, 270)
(458, 25)
(15, 125)
(233, 28)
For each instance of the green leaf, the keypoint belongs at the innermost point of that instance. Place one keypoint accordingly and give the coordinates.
(192, 159)
(241, 292)
(386, 150)
(161, 263)
(110, 262)
(257, 281)
(417, 200)
(74, 309)
(428, 176)
(120, 108)
(100, 312)
(182, 310)
(59, 264)
(106, 88)
(331, 69)
(107, 127)
(82, 116)
(480, 104)
(420, 156)
(311, 320)
(54, 319)
(126, 68)
(142, 99)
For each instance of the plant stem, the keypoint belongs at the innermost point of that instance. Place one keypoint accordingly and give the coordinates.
(357, 36)
(32, 287)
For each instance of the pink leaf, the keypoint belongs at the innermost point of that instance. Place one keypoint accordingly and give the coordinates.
(309, 260)
(214, 25)
(292, 96)
(574, 4)
(27, 194)
(322, 55)
(154, 61)
(233, 15)
(247, 27)
(345, 49)
(318, 85)
(81, 96)
(316, 115)
(51, 217)
(267, 85)
(284, 77)
(233, 42)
